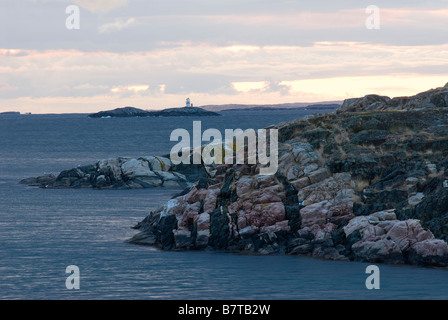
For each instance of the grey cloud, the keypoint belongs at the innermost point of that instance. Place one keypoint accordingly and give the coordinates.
(41, 24)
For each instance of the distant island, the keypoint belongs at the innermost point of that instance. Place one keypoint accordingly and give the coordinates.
(10, 113)
(275, 108)
(135, 112)
(280, 106)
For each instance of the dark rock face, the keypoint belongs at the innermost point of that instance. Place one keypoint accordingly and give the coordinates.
(134, 112)
(432, 211)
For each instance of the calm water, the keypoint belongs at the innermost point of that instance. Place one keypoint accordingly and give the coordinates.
(44, 231)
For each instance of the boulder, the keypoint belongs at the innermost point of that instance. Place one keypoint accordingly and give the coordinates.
(430, 252)
(203, 230)
(385, 239)
(149, 181)
(319, 175)
(182, 239)
(110, 167)
(367, 103)
(157, 163)
(381, 250)
(136, 168)
(338, 185)
(315, 214)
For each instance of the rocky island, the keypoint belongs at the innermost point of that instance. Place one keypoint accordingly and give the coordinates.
(366, 183)
(123, 173)
(171, 112)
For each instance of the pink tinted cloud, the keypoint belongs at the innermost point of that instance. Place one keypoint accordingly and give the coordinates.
(7, 87)
(348, 18)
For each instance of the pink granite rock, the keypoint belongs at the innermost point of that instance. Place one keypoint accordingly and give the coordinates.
(192, 196)
(186, 218)
(386, 239)
(265, 214)
(315, 214)
(210, 200)
(432, 252)
(407, 233)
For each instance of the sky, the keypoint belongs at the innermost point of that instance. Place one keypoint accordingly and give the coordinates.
(153, 54)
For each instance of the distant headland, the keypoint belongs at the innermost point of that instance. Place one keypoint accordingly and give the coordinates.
(10, 113)
(279, 106)
(276, 107)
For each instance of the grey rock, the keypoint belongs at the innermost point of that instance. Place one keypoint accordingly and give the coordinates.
(143, 238)
(319, 175)
(136, 168)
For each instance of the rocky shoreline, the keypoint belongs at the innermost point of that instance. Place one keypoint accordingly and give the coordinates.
(366, 183)
(353, 186)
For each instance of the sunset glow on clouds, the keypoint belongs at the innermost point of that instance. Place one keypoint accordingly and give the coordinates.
(136, 53)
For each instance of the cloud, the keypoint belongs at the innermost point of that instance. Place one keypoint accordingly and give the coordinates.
(130, 88)
(219, 22)
(118, 25)
(88, 86)
(339, 88)
(250, 86)
(101, 6)
(7, 87)
(211, 74)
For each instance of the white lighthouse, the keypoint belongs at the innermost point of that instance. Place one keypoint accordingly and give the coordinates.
(188, 103)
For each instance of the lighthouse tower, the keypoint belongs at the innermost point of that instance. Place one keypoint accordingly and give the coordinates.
(188, 103)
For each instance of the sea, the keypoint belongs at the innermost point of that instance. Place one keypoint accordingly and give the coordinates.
(44, 231)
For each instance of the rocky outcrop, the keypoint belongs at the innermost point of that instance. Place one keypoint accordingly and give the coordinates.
(386, 239)
(367, 186)
(127, 112)
(124, 173)
(434, 98)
